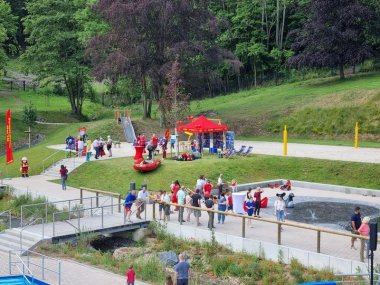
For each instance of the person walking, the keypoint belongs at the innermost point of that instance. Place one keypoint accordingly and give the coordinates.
(182, 271)
(196, 202)
(88, 149)
(128, 202)
(95, 146)
(356, 222)
(142, 197)
(222, 206)
(207, 188)
(220, 185)
(257, 196)
(63, 172)
(364, 230)
(181, 198)
(131, 275)
(109, 146)
(80, 147)
(279, 208)
(201, 181)
(250, 209)
(210, 205)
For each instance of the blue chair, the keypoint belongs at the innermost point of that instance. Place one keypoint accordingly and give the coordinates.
(241, 150)
(248, 151)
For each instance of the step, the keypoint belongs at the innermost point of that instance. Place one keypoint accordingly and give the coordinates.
(4, 238)
(25, 235)
(12, 245)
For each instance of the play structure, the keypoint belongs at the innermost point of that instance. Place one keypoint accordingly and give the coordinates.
(144, 166)
(123, 117)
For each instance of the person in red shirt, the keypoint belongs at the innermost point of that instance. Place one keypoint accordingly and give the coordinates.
(207, 189)
(131, 276)
(175, 188)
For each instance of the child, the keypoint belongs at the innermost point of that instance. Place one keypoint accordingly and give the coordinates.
(229, 202)
(169, 280)
(131, 276)
(233, 185)
(250, 209)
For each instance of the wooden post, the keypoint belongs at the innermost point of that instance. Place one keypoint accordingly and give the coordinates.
(154, 210)
(243, 228)
(279, 234)
(319, 241)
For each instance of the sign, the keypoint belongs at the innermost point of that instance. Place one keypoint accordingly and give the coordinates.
(8, 138)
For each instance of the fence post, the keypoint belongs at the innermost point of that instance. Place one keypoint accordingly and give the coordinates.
(81, 195)
(119, 203)
(279, 233)
(243, 228)
(43, 267)
(10, 262)
(154, 210)
(102, 217)
(97, 199)
(319, 241)
(23, 85)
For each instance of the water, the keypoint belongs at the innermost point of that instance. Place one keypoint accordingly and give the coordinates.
(330, 214)
(19, 280)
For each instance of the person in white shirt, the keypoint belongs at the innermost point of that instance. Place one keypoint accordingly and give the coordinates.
(279, 207)
(201, 181)
(80, 147)
(167, 199)
(109, 146)
(220, 185)
(142, 198)
(95, 146)
(181, 198)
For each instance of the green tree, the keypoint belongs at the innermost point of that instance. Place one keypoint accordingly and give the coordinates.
(7, 31)
(29, 115)
(56, 52)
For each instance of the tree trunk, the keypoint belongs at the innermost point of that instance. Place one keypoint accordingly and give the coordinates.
(144, 97)
(341, 70)
(255, 72)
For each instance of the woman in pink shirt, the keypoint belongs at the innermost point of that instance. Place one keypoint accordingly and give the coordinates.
(364, 231)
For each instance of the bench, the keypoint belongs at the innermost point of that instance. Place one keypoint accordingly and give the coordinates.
(116, 143)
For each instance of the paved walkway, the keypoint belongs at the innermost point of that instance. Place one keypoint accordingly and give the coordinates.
(339, 246)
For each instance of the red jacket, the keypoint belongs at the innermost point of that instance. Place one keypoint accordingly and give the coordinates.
(207, 190)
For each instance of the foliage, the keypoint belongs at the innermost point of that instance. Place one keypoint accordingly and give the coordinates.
(55, 51)
(335, 34)
(7, 32)
(30, 115)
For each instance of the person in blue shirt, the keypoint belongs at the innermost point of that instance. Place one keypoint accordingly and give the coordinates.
(222, 206)
(129, 200)
(356, 222)
(182, 271)
(250, 209)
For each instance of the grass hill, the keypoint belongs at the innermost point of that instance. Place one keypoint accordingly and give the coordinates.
(319, 108)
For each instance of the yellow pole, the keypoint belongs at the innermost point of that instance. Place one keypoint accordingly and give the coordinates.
(356, 143)
(285, 150)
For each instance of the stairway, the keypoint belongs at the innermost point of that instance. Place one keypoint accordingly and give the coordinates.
(10, 240)
(70, 163)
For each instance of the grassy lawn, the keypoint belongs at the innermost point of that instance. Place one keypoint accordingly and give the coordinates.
(115, 175)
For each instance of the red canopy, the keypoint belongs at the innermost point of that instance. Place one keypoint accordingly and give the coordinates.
(202, 125)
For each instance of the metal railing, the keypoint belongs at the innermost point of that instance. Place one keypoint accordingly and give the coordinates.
(33, 262)
(243, 218)
(345, 278)
(104, 193)
(50, 156)
(31, 224)
(9, 217)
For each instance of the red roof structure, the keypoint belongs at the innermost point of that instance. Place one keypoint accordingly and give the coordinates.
(202, 125)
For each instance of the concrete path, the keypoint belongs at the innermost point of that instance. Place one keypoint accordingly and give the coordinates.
(345, 153)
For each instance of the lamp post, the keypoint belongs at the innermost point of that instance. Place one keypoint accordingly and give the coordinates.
(28, 132)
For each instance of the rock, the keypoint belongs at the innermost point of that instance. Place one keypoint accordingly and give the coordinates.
(125, 252)
(168, 258)
(140, 234)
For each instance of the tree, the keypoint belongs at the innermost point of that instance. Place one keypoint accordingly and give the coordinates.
(334, 35)
(56, 52)
(7, 31)
(145, 36)
(29, 117)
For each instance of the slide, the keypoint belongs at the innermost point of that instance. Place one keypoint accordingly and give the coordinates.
(129, 131)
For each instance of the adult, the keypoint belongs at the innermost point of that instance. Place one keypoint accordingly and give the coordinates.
(63, 172)
(257, 197)
(161, 204)
(182, 271)
(210, 205)
(356, 222)
(364, 230)
(101, 147)
(109, 146)
(196, 202)
(167, 199)
(88, 149)
(142, 140)
(152, 146)
(222, 207)
(279, 207)
(207, 189)
(287, 186)
(181, 198)
(250, 209)
(95, 146)
(188, 203)
(142, 198)
(175, 188)
(220, 185)
(201, 181)
(80, 147)
(138, 139)
(128, 202)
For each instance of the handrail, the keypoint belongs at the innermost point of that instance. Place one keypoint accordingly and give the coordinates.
(23, 266)
(96, 191)
(43, 161)
(10, 217)
(30, 224)
(279, 224)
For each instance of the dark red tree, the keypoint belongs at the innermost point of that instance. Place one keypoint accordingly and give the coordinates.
(334, 35)
(145, 36)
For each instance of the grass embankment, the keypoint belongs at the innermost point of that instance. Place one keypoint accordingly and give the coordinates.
(317, 108)
(38, 153)
(115, 175)
(211, 263)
